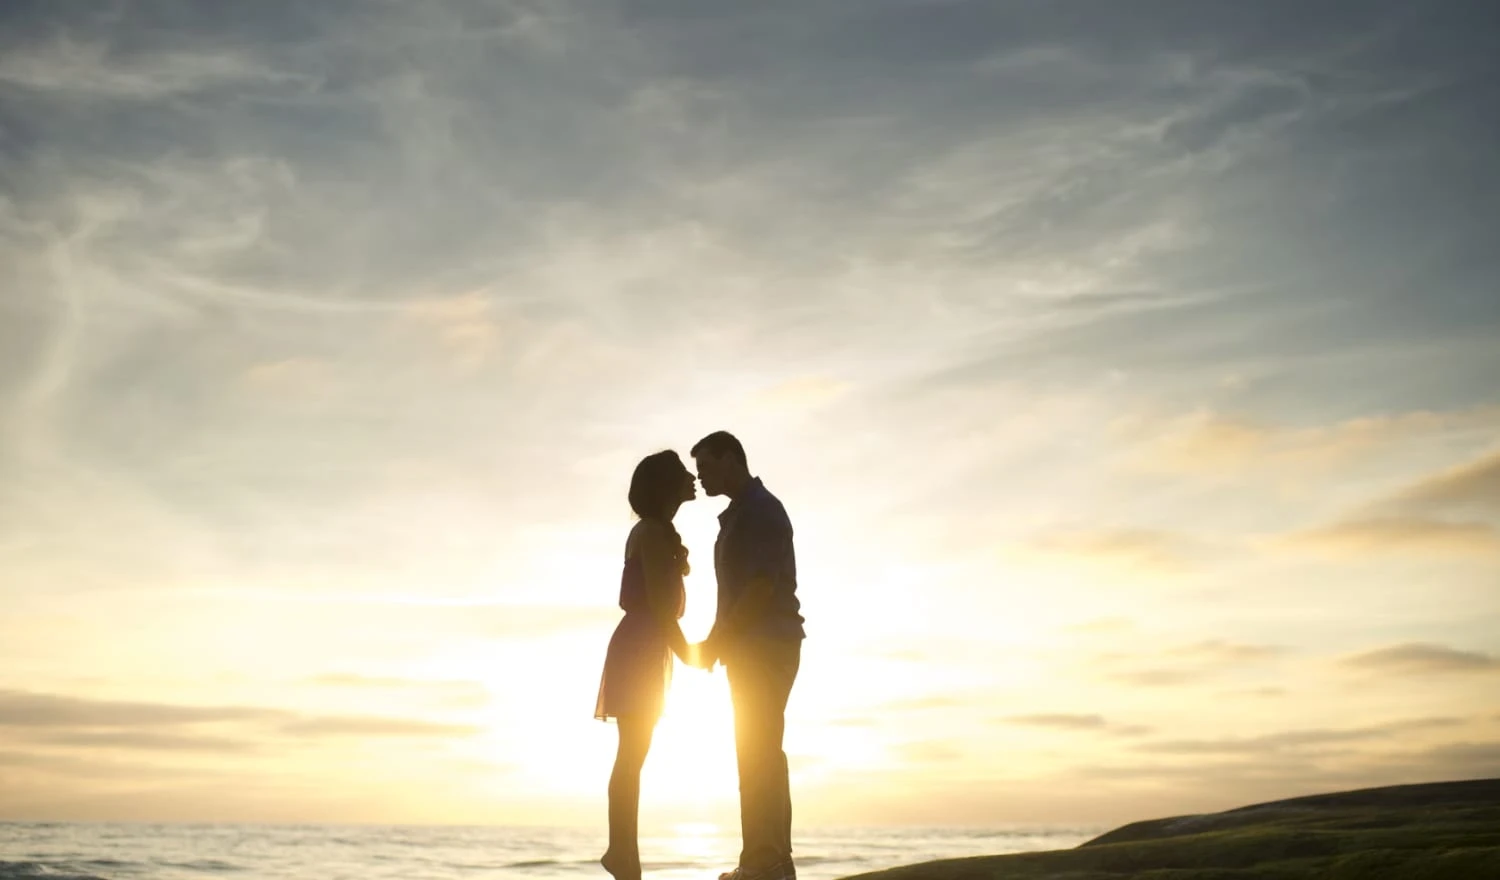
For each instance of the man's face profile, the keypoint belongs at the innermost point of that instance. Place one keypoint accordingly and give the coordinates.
(712, 470)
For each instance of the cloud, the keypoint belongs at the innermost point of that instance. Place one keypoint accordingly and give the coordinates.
(353, 680)
(1266, 692)
(144, 740)
(363, 727)
(936, 701)
(1463, 759)
(1208, 441)
(1421, 659)
(1146, 550)
(1297, 740)
(1435, 516)
(455, 693)
(931, 752)
(25, 709)
(1221, 652)
(68, 69)
(1061, 721)
(75, 721)
(1066, 721)
(1103, 626)
(1212, 781)
(290, 376)
(1184, 664)
(454, 615)
(1399, 535)
(93, 768)
(802, 393)
(466, 325)
(1159, 677)
(1473, 487)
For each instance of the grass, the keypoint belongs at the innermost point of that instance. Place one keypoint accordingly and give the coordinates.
(1441, 831)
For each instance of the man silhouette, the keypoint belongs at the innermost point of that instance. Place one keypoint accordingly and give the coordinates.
(757, 635)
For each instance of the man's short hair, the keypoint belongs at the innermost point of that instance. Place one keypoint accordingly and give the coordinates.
(718, 444)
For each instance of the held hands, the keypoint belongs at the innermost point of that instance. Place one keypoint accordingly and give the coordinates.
(702, 655)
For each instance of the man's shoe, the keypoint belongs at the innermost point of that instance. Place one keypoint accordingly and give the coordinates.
(780, 871)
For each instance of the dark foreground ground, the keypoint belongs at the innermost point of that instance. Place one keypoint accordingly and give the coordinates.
(1409, 832)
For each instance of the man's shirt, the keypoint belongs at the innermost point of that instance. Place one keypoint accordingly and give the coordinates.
(755, 540)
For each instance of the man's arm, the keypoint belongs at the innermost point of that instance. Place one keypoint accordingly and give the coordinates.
(768, 538)
(751, 607)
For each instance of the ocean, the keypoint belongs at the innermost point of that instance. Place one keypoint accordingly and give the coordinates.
(77, 851)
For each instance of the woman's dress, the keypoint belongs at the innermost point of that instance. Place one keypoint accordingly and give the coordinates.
(638, 666)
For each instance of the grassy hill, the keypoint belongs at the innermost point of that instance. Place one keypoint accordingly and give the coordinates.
(1410, 832)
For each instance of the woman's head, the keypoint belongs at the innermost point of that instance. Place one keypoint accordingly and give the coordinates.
(660, 485)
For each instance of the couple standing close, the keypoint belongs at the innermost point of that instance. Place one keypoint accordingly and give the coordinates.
(757, 635)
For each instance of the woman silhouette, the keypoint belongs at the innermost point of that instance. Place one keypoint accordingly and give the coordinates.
(638, 666)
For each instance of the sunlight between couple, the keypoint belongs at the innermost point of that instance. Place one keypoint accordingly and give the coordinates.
(757, 636)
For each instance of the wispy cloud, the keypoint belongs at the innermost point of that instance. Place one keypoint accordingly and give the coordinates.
(1152, 678)
(1206, 441)
(75, 721)
(1065, 721)
(144, 740)
(69, 69)
(362, 727)
(449, 693)
(1220, 651)
(1421, 659)
(934, 702)
(1060, 720)
(932, 752)
(1473, 487)
(1297, 740)
(1401, 535)
(24, 709)
(1145, 550)
(1438, 514)
(1183, 664)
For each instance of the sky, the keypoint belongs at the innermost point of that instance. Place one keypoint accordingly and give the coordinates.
(1130, 372)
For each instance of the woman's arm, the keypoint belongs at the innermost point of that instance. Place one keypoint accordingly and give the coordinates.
(663, 573)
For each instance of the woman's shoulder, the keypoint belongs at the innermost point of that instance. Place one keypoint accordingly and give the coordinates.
(649, 531)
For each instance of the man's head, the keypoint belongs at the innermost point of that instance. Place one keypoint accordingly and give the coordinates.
(722, 468)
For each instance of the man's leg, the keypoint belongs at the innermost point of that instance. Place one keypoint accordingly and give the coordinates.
(759, 685)
(787, 659)
(746, 692)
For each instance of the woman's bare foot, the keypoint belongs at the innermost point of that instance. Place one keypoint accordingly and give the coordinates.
(620, 868)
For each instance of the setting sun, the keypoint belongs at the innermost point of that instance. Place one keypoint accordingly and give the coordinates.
(692, 761)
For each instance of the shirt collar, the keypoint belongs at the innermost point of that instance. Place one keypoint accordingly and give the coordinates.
(752, 487)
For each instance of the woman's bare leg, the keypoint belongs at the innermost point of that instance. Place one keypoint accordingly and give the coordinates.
(623, 858)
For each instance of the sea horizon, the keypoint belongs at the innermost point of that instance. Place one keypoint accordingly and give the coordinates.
(142, 850)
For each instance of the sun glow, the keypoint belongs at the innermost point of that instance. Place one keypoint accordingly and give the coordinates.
(692, 756)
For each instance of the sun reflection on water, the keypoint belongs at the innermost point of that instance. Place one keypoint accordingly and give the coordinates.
(695, 840)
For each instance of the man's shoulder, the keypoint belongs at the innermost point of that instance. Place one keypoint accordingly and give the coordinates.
(767, 510)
